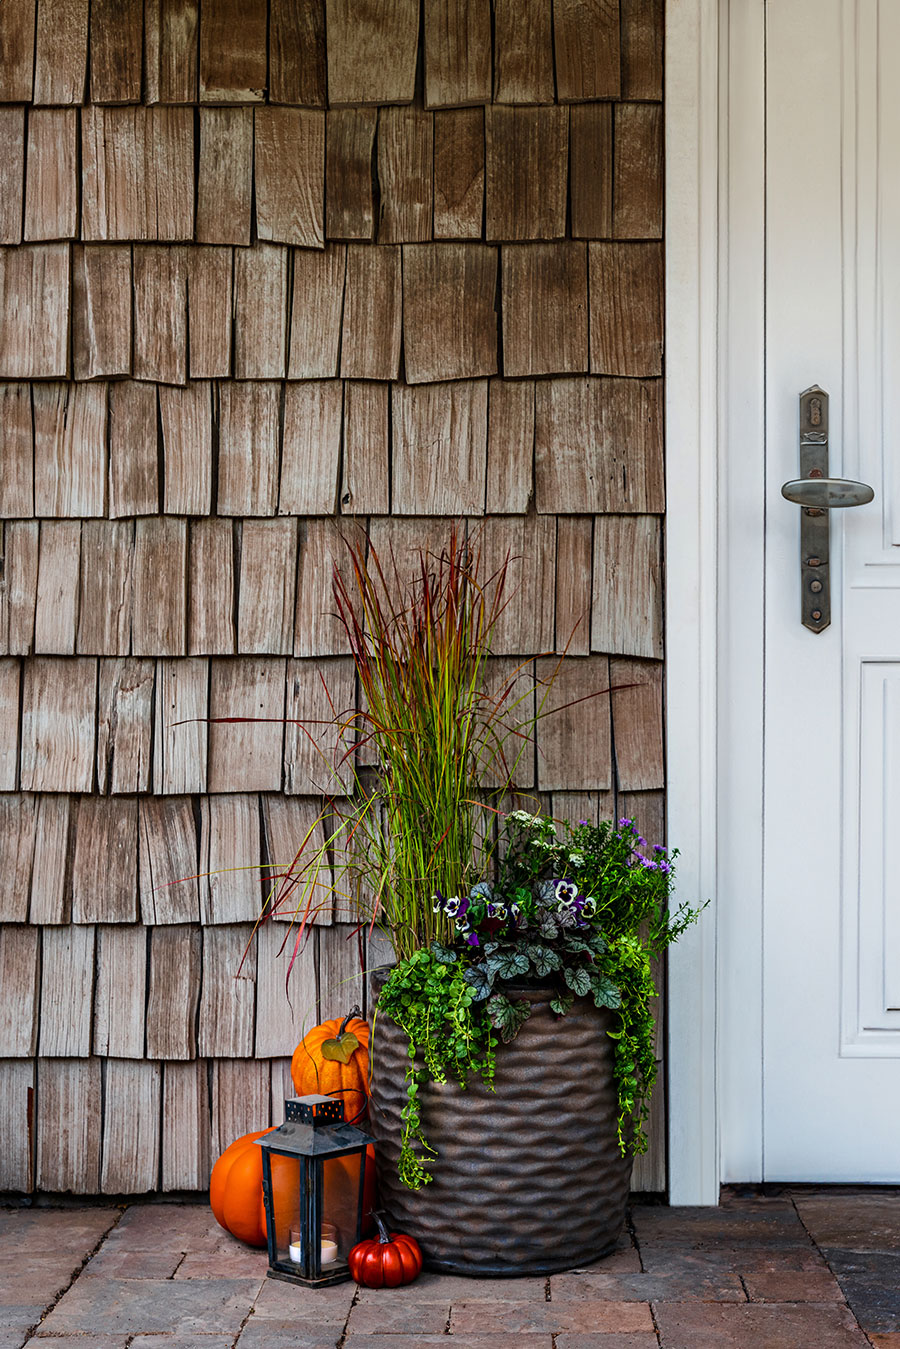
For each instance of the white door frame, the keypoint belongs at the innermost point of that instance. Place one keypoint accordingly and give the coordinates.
(715, 441)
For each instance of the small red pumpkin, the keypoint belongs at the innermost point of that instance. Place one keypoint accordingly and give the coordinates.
(386, 1261)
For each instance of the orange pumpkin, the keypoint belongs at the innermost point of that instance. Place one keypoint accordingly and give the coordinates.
(333, 1060)
(235, 1190)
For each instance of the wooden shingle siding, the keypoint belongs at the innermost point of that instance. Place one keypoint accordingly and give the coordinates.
(311, 448)
(297, 52)
(18, 586)
(370, 334)
(101, 311)
(349, 146)
(133, 449)
(440, 448)
(60, 54)
(275, 274)
(233, 51)
(17, 826)
(458, 173)
(225, 178)
(160, 314)
(289, 164)
(211, 625)
(457, 48)
(170, 50)
(372, 51)
(105, 860)
(523, 51)
(49, 900)
(137, 173)
(51, 185)
(405, 156)
(34, 311)
(17, 23)
(19, 976)
(260, 301)
(230, 885)
(125, 725)
(12, 173)
(9, 743)
(17, 451)
(316, 310)
(174, 991)
(119, 996)
(586, 48)
(525, 172)
(449, 315)
(56, 610)
(116, 51)
(545, 309)
(59, 707)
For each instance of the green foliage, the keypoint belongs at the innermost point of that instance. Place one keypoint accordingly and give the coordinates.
(434, 1004)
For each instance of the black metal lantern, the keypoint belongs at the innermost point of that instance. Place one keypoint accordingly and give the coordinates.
(314, 1173)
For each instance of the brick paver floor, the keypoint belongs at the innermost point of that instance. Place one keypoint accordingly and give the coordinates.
(791, 1269)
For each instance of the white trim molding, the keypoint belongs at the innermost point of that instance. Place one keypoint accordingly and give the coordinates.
(715, 447)
(692, 177)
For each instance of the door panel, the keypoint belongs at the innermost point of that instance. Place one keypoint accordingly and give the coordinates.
(832, 700)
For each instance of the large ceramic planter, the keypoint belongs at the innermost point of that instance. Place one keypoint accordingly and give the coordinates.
(528, 1178)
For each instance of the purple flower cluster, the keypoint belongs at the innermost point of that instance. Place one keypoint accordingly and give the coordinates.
(661, 864)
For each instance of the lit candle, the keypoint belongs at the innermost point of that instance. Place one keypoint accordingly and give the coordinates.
(294, 1250)
(329, 1252)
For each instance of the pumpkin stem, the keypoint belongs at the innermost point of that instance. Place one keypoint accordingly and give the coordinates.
(384, 1238)
(354, 1012)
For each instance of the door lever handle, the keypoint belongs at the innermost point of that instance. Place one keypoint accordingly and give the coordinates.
(827, 493)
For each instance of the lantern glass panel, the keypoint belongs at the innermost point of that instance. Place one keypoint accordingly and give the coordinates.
(341, 1204)
(286, 1201)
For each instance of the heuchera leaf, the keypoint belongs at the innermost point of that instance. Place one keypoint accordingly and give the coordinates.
(544, 960)
(507, 964)
(481, 980)
(561, 1003)
(507, 1017)
(342, 1049)
(605, 992)
(578, 980)
(443, 953)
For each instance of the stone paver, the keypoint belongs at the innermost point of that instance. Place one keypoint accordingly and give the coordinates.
(527, 1318)
(715, 1286)
(815, 1285)
(861, 1221)
(784, 1270)
(716, 1325)
(152, 1304)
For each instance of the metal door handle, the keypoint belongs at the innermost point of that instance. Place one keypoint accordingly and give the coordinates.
(818, 494)
(827, 493)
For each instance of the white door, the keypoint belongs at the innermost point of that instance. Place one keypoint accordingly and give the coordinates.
(831, 866)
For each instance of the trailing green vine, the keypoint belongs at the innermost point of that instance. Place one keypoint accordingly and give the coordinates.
(432, 1001)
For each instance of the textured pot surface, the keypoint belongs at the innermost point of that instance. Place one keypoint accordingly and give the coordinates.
(528, 1178)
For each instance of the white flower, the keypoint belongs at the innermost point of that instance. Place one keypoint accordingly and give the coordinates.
(589, 907)
(566, 893)
(577, 859)
(451, 906)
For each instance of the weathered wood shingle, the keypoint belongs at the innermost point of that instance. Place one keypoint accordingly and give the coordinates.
(104, 868)
(70, 1126)
(174, 990)
(16, 451)
(70, 423)
(261, 312)
(116, 48)
(297, 52)
(526, 155)
(169, 861)
(125, 725)
(17, 24)
(51, 180)
(34, 311)
(439, 448)
(365, 466)
(405, 150)
(59, 708)
(186, 424)
(170, 50)
(349, 147)
(119, 993)
(317, 305)
(56, 611)
(180, 737)
(101, 311)
(289, 170)
(230, 856)
(12, 171)
(137, 173)
(545, 308)
(587, 49)
(225, 176)
(159, 617)
(523, 55)
(458, 173)
(133, 449)
(449, 313)
(627, 600)
(211, 625)
(60, 53)
(370, 332)
(266, 587)
(246, 755)
(371, 51)
(160, 314)
(457, 53)
(248, 448)
(233, 51)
